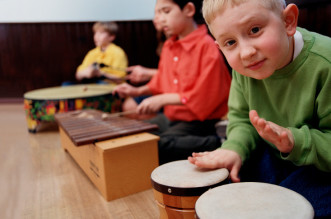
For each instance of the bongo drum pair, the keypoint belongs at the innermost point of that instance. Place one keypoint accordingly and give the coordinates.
(41, 104)
(182, 190)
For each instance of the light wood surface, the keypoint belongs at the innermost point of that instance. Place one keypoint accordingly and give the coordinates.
(38, 179)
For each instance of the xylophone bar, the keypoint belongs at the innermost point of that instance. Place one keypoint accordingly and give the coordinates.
(88, 126)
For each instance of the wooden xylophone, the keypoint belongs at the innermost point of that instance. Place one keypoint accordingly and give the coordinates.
(90, 126)
(116, 153)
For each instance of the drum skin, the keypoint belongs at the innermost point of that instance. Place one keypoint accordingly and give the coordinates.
(40, 105)
(252, 200)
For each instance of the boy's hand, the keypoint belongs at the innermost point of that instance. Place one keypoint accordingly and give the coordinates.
(150, 105)
(138, 74)
(281, 137)
(155, 103)
(124, 90)
(219, 158)
(89, 72)
(92, 72)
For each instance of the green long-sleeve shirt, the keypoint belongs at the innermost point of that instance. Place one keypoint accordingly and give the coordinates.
(297, 96)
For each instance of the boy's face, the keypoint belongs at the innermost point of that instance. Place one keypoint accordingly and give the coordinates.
(253, 39)
(171, 19)
(102, 38)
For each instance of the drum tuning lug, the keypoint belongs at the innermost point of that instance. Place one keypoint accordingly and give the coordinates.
(169, 190)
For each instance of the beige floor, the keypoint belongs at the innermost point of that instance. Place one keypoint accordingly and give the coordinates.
(39, 180)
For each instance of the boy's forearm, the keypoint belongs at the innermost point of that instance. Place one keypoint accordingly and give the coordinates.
(171, 99)
(151, 72)
(143, 90)
(316, 142)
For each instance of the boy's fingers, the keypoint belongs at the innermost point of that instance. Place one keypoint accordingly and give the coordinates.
(191, 160)
(130, 68)
(200, 154)
(208, 163)
(254, 118)
(253, 114)
(234, 174)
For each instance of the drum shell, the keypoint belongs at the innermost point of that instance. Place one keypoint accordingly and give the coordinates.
(169, 212)
(180, 197)
(187, 202)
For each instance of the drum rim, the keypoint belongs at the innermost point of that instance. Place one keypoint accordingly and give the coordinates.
(26, 95)
(71, 98)
(187, 191)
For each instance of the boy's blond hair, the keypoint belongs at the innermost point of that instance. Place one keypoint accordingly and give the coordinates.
(109, 27)
(211, 8)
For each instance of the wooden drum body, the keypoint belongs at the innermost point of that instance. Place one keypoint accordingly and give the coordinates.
(177, 186)
(41, 105)
(252, 200)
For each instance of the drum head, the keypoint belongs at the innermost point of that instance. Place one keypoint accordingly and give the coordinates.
(252, 200)
(69, 92)
(182, 178)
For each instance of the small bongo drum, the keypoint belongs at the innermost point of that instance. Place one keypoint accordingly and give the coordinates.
(252, 200)
(177, 186)
(41, 104)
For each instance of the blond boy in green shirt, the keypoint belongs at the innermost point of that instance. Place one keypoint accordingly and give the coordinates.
(279, 105)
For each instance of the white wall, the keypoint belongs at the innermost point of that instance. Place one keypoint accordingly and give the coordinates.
(19, 11)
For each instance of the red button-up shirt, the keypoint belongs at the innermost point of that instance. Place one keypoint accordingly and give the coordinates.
(194, 68)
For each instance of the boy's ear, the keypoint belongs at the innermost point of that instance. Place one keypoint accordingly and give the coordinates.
(189, 9)
(290, 15)
(218, 45)
(112, 37)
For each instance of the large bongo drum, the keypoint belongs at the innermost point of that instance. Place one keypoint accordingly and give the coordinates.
(41, 104)
(252, 200)
(177, 186)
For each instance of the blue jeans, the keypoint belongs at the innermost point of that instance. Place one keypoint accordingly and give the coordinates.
(308, 181)
(140, 99)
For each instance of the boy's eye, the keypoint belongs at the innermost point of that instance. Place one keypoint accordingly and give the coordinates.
(255, 30)
(230, 42)
(166, 10)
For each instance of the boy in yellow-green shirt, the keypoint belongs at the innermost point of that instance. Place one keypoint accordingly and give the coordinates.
(106, 59)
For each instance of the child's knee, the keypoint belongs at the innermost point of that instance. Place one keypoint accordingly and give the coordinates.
(129, 104)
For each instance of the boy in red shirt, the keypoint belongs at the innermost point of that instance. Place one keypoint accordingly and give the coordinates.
(192, 84)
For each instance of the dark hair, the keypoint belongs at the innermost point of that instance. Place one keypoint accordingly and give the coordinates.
(198, 7)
